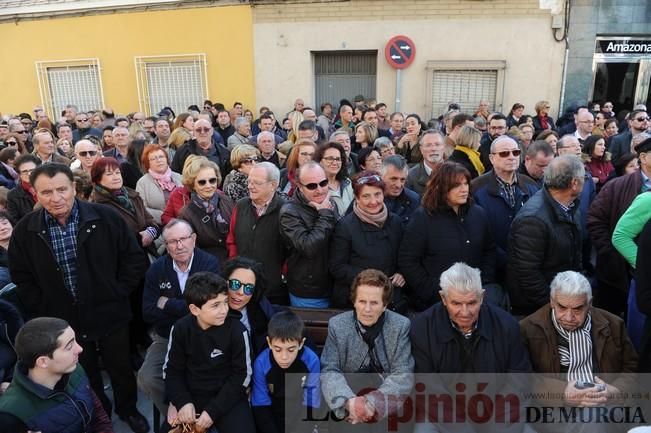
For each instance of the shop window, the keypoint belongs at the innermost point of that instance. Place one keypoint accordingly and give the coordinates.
(77, 82)
(171, 81)
(465, 83)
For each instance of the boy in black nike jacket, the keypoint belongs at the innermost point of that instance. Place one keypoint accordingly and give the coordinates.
(208, 365)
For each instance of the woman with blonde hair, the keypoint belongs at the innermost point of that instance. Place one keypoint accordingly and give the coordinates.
(178, 138)
(365, 136)
(243, 158)
(542, 121)
(302, 152)
(466, 152)
(295, 117)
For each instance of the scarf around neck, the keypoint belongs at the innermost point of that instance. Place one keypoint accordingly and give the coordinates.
(473, 155)
(29, 189)
(164, 180)
(376, 220)
(578, 358)
(369, 335)
(120, 196)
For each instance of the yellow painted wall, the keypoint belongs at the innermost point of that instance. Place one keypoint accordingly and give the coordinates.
(224, 34)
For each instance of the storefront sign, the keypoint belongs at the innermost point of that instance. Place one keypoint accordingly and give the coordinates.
(623, 46)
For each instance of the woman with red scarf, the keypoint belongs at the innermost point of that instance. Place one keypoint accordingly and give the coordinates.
(542, 121)
(21, 199)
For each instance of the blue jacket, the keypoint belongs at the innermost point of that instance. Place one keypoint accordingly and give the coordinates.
(161, 280)
(499, 349)
(487, 194)
(404, 205)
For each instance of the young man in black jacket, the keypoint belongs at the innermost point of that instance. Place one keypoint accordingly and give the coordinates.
(208, 365)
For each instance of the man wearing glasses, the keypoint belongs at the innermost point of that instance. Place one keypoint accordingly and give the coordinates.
(306, 223)
(18, 128)
(82, 120)
(496, 128)
(502, 192)
(203, 145)
(638, 122)
(584, 125)
(163, 301)
(86, 153)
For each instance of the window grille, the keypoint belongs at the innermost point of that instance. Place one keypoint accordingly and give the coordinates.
(77, 82)
(466, 85)
(171, 81)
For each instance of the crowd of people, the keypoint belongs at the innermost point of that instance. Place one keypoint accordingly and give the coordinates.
(192, 238)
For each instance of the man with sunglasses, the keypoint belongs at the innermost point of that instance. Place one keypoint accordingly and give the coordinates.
(86, 153)
(546, 236)
(306, 223)
(163, 301)
(502, 192)
(203, 145)
(82, 120)
(638, 122)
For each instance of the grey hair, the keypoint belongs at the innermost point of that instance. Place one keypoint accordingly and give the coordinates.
(174, 222)
(240, 121)
(273, 174)
(338, 132)
(396, 161)
(562, 143)
(479, 121)
(562, 170)
(83, 141)
(263, 134)
(500, 138)
(462, 278)
(431, 132)
(570, 283)
(382, 143)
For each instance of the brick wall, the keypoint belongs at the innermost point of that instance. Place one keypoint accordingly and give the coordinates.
(372, 10)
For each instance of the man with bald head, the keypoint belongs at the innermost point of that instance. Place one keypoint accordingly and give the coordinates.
(203, 145)
(86, 153)
(584, 124)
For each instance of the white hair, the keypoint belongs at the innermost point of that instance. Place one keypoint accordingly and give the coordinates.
(264, 134)
(462, 278)
(570, 283)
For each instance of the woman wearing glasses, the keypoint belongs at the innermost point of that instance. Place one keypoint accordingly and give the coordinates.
(158, 182)
(369, 237)
(542, 121)
(448, 228)
(12, 140)
(331, 156)
(243, 158)
(246, 285)
(302, 152)
(209, 210)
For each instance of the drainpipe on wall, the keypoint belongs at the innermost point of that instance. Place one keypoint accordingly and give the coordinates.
(561, 22)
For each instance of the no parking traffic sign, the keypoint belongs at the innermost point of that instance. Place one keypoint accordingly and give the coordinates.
(400, 52)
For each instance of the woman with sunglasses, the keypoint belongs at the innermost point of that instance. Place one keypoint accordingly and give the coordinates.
(368, 237)
(246, 286)
(448, 228)
(209, 210)
(158, 182)
(12, 140)
(243, 158)
(331, 156)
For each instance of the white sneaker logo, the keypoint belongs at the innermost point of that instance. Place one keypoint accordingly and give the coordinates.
(215, 353)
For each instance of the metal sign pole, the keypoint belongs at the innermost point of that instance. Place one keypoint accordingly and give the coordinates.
(398, 86)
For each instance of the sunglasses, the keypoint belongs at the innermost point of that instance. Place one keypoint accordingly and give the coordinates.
(212, 181)
(82, 120)
(506, 153)
(236, 285)
(85, 153)
(11, 143)
(312, 186)
(643, 119)
(366, 179)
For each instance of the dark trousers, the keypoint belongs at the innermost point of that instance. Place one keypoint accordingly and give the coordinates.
(237, 420)
(114, 350)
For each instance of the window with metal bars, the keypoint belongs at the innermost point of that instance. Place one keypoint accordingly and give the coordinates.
(171, 81)
(63, 82)
(465, 83)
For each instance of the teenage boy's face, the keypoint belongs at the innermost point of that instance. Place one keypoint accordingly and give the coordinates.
(212, 313)
(284, 352)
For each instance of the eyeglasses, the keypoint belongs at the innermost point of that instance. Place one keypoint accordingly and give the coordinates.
(21, 132)
(312, 186)
(202, 182)
(331, 159)
(506, 153)
(250, 160)
(157, 158)
(11, 143)
(82, 120)
(177, 242)
(236, 285)
(366, 179)
(202, 130)
(85, 153)
(643, 119)
(27, 171)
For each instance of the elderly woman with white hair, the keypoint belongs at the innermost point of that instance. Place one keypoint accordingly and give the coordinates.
(462, 334)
